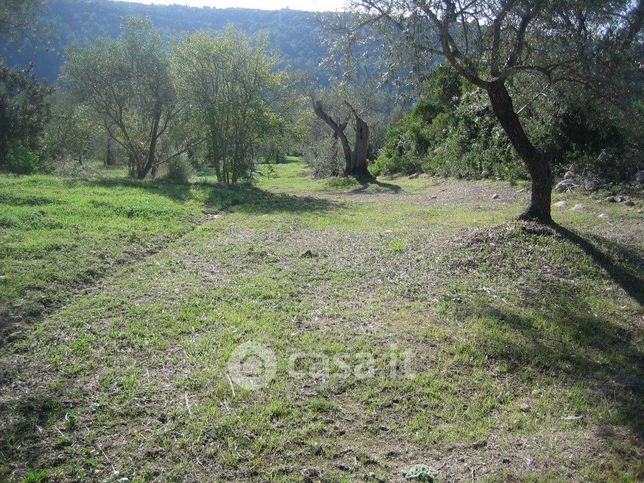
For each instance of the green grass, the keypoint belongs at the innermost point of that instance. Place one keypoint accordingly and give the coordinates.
(488, 341)
(57, 234)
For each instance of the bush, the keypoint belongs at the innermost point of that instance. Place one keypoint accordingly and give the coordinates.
(452, 131)
(22, 160)
(68, 168)
(324, 157)
(179, 170)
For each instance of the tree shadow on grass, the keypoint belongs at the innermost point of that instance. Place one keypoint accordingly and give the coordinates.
(555, 331)
(175, 191)
(569, 341)
(244, 197)
(22, 422)
(622, 264)
(367, 182)
(250, 199)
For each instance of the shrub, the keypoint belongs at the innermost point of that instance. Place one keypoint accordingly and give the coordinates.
(22, 160)
(179, 170)
(452, 131)
(324, 157)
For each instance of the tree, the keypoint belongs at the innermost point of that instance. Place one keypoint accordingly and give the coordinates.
(24, 110)
(496, 44)
(23, 106)
(127, 82)
(359, 106)
(72, 131)
(355, 156)
(234, 92)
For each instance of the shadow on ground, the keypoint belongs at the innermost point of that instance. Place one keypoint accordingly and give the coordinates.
(21, 422)
(625, 266)
(559, 329)
(250, 199)
(244, 197)
(367, 182)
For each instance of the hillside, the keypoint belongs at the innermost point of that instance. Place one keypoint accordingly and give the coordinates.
(292, 33)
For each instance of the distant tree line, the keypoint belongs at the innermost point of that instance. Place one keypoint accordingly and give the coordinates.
(219, 92)
(152, 103)
(61, 23)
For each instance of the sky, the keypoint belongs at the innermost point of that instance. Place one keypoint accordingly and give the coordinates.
(308, 5)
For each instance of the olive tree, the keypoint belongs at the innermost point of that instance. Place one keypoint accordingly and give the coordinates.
(497, 44)
(127, 81)
(73, 130)
(233, 90)
(338, 113)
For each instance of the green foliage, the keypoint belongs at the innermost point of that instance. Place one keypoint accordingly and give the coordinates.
(452, 131)
(73, 133)
(16, 15)
(127, 83)
(178, 170)
(36, 476)
(324, 155)
(472, 144)
(410, 140)
(233, 88)
(595, 137)
(22, 160)
(537, 63)
(24, 110)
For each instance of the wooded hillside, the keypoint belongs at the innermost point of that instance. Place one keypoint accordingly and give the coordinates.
(292, 33)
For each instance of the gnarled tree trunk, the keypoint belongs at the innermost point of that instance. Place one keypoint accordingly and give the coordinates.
(356, 159)
(538, 163)
(338, 132)
(360, 148)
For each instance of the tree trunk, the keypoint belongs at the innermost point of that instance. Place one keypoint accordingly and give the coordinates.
(537, 162)
(110, 159)
(214, 157)
(132, 164)
(338, 131)
(151, 155)
(360, 148)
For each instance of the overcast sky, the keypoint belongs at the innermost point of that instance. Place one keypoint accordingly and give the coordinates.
(308, 5)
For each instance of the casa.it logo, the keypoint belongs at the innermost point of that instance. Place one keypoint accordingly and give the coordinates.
(252, 366)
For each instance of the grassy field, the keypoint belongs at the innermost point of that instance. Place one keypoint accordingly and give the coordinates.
(401, 322)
